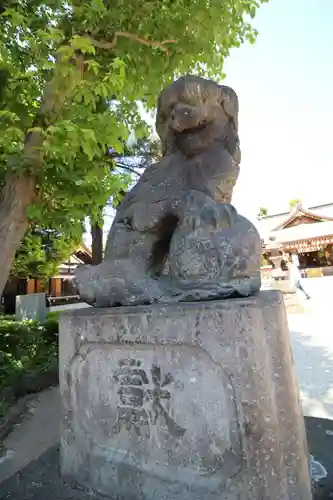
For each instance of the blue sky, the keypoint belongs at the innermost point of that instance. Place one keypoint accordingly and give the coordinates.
(285, 87)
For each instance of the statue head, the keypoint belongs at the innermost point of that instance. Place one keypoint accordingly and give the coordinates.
(193, 113)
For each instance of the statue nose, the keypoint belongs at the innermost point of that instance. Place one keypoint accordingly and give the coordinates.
(178, 113)
(181, 118)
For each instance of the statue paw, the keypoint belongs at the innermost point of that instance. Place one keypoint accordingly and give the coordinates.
(117, 283)
(202, 212)
(85, 283)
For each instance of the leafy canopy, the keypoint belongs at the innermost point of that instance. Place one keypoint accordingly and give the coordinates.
(72, 72)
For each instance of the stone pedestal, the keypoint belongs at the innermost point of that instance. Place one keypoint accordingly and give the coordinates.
(183, 402)
(31, 306)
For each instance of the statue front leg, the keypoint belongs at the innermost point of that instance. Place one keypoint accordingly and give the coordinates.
(122, 279)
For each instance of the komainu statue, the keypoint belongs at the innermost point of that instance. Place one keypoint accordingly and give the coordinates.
(176, 236)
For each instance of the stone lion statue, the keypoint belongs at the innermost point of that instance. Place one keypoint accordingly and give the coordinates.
(175, 235)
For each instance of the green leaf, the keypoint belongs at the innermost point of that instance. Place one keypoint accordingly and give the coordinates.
(89, 143)
(98, 5)
(36, 130)
(34, 212)
(93, 66)
(83, 44)
(252, 11)
(103, 90)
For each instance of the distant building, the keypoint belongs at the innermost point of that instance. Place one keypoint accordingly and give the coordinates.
(305, 233)
(60, 285)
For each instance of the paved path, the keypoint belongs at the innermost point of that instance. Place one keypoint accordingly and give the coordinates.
(312, 342)
(35, 434)
(41, 480)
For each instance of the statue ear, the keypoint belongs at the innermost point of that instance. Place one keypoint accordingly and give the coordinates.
(160, 125)
(229, 102)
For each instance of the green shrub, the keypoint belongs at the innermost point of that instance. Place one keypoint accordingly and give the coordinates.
(7, 317)
(27, 350)
(51, 327)
(53, 315)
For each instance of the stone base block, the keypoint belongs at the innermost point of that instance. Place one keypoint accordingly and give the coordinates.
(31, 306)
(183, 402)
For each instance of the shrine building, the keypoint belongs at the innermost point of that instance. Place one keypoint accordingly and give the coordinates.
(304, 233)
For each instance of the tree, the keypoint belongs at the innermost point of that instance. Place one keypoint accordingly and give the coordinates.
(263, 212)
(59, 60)
(293, 203)
(43, 250)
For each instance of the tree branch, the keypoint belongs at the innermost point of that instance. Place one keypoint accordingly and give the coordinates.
(129, 169)
(124, 34)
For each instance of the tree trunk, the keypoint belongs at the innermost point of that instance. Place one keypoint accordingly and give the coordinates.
(15, 196)
(97, 243)
(18, 192)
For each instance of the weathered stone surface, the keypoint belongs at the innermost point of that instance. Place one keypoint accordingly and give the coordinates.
(176, 236)
(31, 306)
(183, 402)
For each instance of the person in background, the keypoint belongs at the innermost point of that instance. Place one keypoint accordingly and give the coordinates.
(48, 301)
(283, 262)
(295, 277)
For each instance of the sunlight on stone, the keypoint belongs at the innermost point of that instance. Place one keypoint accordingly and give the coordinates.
(314, 407)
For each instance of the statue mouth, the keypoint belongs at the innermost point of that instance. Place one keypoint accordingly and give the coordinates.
(194, 140)
(192, 130)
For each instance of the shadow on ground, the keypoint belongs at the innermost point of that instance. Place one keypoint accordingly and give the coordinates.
(41, 479)
(320, 439)
(314, 368)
